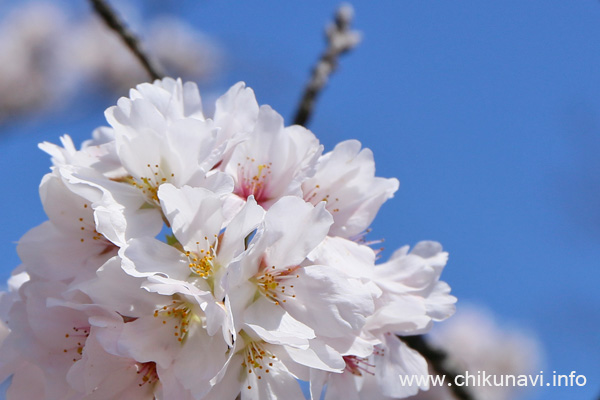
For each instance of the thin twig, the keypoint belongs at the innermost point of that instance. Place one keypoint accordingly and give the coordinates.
(340, 39)
(110, 17)
(437, 360)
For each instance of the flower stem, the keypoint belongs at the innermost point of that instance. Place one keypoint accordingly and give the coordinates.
(114, 22)
(340, 39)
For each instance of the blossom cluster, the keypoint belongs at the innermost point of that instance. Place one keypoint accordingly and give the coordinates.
(188, 257)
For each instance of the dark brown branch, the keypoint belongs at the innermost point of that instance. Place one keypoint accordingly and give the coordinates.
(340, 40)
(110, 17)
(437, 360)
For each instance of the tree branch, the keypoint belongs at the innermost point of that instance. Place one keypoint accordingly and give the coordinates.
(437, 361)
(340, 39)
(110, 17)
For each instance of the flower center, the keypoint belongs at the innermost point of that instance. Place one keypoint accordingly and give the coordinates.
(315, 196)
(274, 283)
(76, 341)
(253, 180)
(88, 230)
(257, 360)
(157, 175)
(202, 262)
(357, 365)
(147, 372)
(180, 310)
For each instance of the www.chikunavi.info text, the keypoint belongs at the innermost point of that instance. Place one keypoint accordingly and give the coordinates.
(482, 379)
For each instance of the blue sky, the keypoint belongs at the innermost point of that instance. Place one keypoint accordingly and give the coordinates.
(487, 112)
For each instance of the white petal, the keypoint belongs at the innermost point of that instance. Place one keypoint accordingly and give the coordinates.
(277, 384)
(236, 111)
(399, 359)
(146, 256)
(317, 381)
(230, 384)
(342, 386)
(194, 213)
(102, 375)
(242, 225)
(317, 356)
(440, 304)
(406, 315)
(355, 260)
(331, 303)
(274, 325)
(120, 291)
(201, 358)
(50, 253)
(298, 228)
(148, 339)
(27, 383)
(118, 210)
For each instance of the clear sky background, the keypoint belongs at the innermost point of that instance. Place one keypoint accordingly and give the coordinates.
(487, 112)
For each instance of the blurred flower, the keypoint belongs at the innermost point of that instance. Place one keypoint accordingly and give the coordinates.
(92, 52)
(48, 56)
(475, 342)
(28, 76)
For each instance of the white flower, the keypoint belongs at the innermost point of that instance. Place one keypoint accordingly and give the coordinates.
(101, 375)
(68, 246)
(165, 331)
(120, 210)
(48, 335)
(411, 298)
(276, 268)
(279, 296)
(257, 371)
(345, 179)
(274, 160)
(162, 136)
(410, 281)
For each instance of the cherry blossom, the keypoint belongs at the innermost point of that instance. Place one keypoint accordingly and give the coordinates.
(345, 180)
(197, 256)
